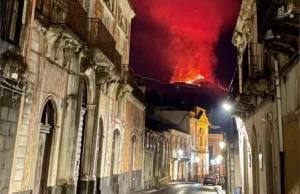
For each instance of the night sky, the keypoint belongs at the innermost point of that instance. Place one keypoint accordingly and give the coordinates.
(185, 40)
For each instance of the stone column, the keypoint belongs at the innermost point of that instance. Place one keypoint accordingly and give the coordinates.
(87, 150)
(95, 145)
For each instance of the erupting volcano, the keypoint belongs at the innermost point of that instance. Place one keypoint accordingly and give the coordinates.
(177, 38)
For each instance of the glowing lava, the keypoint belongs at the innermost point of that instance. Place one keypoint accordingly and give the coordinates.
(181, 36)
(190, 81)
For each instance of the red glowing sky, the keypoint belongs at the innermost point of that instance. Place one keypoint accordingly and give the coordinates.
(175, 40)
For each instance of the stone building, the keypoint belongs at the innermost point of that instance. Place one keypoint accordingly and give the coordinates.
(68, 100)
(199, 127)
(215, 151)
(265, 96)
(156, 157)
(180, 155)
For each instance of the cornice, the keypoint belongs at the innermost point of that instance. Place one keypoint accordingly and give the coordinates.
(242, 32)
(136, 102)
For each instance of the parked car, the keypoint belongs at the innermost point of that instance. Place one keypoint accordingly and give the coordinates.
(209, 179)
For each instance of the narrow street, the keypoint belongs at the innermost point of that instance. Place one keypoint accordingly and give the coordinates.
(187, 188)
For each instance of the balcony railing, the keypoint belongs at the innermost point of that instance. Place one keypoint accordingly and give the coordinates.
(100, 37)
(64, 12)
(181, 155)
(10, 20)
(98, 33)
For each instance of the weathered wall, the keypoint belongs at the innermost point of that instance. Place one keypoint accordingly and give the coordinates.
(9, 109)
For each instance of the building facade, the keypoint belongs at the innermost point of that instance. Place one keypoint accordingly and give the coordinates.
(215, 151)
(196, 124)
(264, 94)
(199, 129)
(69, 101)
(157, 158)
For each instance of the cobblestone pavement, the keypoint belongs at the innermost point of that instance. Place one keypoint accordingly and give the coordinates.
(186, 188)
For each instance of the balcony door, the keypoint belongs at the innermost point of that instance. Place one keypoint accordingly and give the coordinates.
(44, 149)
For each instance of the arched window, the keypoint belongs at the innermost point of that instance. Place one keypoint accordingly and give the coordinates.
(48, 114)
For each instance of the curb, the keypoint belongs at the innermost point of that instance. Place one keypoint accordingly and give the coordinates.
(218, 190)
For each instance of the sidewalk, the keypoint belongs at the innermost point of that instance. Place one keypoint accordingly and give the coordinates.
(149, 191)
(219, 190)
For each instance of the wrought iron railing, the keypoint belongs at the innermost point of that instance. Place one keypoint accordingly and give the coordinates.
(98, 33)
(100, 37)
(11, 20)
(64, 12)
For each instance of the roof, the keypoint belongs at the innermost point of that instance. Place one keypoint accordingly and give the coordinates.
(159, 124)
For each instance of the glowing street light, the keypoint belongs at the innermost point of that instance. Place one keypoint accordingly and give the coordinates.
(227, 106)
(213, 161)
(222, 145)
(218, 159)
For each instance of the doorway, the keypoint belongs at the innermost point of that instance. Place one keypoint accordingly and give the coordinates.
(44, 148)
(132, 160)
(80, 136)
(115, 161)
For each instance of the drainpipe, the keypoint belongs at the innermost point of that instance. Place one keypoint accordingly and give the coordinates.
(240, 78)
(280, 128)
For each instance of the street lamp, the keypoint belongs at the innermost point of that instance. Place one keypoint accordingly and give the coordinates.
(218, 159)
(213, 161)
(227, 106)
(222, 145)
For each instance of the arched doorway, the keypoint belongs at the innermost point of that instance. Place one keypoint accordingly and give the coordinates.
(115, 161)
(80, 136)
(132, 160)
(44, 148)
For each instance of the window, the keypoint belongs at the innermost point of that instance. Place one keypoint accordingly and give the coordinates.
(211, 152)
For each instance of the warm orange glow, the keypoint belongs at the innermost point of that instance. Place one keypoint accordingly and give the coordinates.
(190, 81)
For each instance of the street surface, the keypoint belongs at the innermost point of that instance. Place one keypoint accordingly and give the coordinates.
(187, 188)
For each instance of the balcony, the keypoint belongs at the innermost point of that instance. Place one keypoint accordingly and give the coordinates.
(11, 20)
(100, 37)
(63, 12)
(182, 155)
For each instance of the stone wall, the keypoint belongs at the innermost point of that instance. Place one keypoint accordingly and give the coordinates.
(9, 112)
